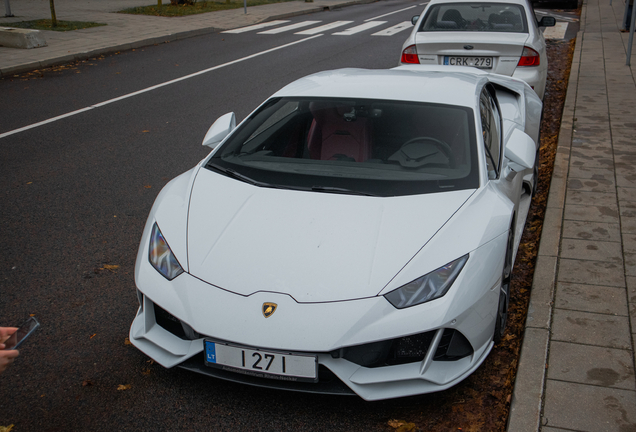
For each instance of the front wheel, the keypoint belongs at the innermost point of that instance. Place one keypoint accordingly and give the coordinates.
(504, 291)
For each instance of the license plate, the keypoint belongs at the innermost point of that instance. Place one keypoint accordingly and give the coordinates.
(478, 62)
(261, 364)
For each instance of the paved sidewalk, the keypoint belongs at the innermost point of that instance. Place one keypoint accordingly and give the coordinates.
(576, 371)
(125, 31)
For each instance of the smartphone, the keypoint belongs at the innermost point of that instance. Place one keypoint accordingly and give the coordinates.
(23, 332)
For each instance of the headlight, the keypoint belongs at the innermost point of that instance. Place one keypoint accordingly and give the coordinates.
(428, 287)
(161, 257)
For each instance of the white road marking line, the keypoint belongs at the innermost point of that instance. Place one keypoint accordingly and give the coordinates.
(395, 29)
(360, 28)
(256, 26)
(390, 13)
(167, 83)
(556, 32)
(324, 28)
(289, 27)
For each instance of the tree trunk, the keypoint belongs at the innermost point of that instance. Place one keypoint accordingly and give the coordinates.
(53, 17)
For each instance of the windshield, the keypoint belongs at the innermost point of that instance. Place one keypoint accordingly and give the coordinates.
(371, 147)
(486, 17)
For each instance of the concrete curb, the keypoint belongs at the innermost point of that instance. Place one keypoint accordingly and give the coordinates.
(527, 397)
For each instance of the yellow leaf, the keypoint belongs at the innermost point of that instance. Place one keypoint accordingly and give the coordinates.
(145, 131)
(123, 387)
(6, 428)
(94, 334)
(127, 341)
(110, 267)
(147, 186)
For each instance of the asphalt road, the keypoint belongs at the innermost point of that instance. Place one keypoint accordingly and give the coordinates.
(75, 196)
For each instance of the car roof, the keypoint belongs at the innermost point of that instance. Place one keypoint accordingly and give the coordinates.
(434, 84)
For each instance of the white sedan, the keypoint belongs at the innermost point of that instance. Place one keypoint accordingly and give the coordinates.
(501, 36)
(354, 234)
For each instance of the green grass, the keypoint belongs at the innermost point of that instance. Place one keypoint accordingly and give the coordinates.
(169, 10)
(45, 24)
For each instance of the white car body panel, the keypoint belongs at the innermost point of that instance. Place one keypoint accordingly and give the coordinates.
(327, 260)
(360, 240)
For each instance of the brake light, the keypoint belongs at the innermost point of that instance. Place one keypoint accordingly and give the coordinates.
(529, 57)
(409, 55)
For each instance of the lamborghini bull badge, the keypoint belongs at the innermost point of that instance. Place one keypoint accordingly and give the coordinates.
(269, 309)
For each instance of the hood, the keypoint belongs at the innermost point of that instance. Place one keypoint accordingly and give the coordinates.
(315, 247)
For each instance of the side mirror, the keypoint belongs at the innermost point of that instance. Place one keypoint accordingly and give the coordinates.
(520, 151)
(547, 21)
(414, 19)
(219, 130)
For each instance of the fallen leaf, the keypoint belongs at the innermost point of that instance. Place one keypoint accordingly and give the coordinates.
(123, 387)
(94, 334)
(147, 186)
(145, 131)
(87, 383)
(6, 428)
(111, 267)
(127, 341)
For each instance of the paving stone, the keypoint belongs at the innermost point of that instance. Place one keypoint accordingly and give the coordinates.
(629, 259)
(591, 185)
(591, 298)
(592, 250)
(581, 407)
(591, 231)
(626, 194)
(591, 272)
(591, 329)
(605, 367)
(585, 172)
(575, 197)
(590, 213)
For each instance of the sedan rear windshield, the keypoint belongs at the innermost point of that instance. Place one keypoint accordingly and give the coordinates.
(357, 146)
(484, 17)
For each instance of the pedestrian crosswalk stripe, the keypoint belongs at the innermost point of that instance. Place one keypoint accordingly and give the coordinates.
(324, 28)
(395, 29)
(360, 28)
(256, 26)
(289, 27)
(556, 32)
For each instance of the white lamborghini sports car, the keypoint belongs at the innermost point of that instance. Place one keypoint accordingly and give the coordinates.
(355, 234)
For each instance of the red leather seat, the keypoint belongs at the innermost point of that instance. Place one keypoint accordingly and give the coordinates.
(332, 135)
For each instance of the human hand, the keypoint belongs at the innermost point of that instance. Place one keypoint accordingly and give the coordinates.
(6, 357)
(5, 332)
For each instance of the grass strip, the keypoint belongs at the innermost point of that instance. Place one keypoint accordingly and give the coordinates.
(170, 10)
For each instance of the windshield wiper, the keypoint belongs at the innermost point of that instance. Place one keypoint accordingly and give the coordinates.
(238, 176)
(331, 189)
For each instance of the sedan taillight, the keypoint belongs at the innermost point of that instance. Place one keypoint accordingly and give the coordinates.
(529, 57)
(409, 55)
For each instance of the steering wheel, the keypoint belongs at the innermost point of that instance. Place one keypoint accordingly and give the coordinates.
(439, 144)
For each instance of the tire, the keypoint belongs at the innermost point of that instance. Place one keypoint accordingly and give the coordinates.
(504, 291)
(535, 173)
